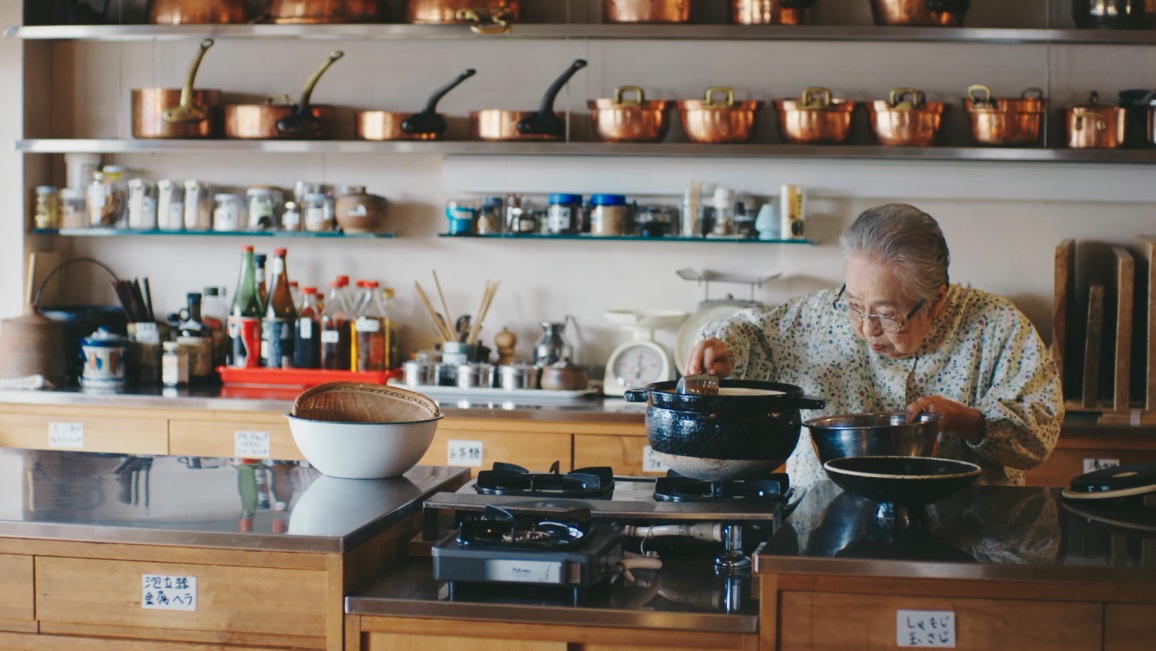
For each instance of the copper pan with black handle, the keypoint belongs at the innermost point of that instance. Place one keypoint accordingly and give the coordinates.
(159, 113)
(280, 118)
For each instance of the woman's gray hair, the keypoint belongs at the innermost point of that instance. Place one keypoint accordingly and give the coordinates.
(907, 238)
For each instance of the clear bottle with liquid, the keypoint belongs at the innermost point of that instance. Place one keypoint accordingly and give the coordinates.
(307, 333)
(280, 317)
(197, 339)
(370, 328)
(335, 330)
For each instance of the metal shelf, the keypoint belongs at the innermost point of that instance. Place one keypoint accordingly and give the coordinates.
(470, 148)
(120, 232)
(588, 31)
(622, 238)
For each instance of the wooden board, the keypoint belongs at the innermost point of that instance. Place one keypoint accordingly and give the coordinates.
(1064, 290)
(16, 600)
(1129, 627)
(1146, 245)
(1125, 288)
(1092, 341)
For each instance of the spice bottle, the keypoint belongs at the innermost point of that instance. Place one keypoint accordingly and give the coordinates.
(47, 212)
(280, 318)
(174, 365)
(197, 340)
(307, 333)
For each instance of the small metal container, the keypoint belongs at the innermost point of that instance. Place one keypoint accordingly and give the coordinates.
(475, 376)
(518, 376)
(417, 373)
(886, 434)
(447, 374)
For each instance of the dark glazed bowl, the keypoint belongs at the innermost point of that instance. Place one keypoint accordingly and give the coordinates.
(873, 435)
(906, 481)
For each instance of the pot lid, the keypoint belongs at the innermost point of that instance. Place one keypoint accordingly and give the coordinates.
(1111, 483)
(102, 338)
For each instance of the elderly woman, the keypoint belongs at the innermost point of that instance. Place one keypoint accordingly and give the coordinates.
(897, 336)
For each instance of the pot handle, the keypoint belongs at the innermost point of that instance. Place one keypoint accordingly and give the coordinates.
(302, 122)
(797, 4)
(1032, 93)
(639, 100)
(186, 111)
(1082, 113)
(66, 263)
(544, 121)
(980, 96)
(427, 120)
(499, 20)
(636, 395)
(915, 99)
(949, 6)
(816, 97)
(710, 92)
(810, 402)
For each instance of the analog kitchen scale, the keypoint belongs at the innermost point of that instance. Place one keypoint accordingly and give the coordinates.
(642, 360)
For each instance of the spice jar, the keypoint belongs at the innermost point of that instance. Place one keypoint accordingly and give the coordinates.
(291, 217)
(170, 205)
(317, 212)
(142, 205)
(262, 208)
(198, 207)
(609, 215)
(564, 214)
(228, 212)
(47, 212)
(174, 365)
(490, 216)
(72, 208)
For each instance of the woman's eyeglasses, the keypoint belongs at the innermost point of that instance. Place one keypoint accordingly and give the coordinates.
(886, 323)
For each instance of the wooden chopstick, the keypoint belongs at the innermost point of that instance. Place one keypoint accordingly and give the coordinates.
(487, 298)
(445, 306)
(433, 315)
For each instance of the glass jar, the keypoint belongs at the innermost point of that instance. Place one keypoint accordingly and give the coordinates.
(262, 208)
(609, 216)
(564, 215)
(116, 190)
(47, 212)
(228, 212)
(142, 205)
(317, 213)
(490, 216)
(73, 212)
(198, 206)
(101, 212)
(174, 365)
(291, 217)
(170, 205)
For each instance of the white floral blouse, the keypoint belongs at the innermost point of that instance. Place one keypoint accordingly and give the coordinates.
(981, 352)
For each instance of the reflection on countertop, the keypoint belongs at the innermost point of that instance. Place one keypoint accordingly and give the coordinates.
(202, 502)
(993, 532)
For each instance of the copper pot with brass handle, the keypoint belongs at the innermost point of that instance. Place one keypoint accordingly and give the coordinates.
(483, 16)
(178, 112)
(630, 119)
(280, 118)
(815, 118)
(907, 119)
(719, 121)
(1005, 121)
(773, 12)
(1095, 125)
(196, 12)
(325, 11)
(920, 13)
(646, 11)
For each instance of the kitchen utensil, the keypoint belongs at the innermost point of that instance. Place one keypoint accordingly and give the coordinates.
(326, 11)
(902, 481)
(920, 13)
(699, 385)
(873, 435)
(79, 321)
(417, 373)
(32, 344)
(196, 12)
(718, 121)
(1126, 483)
(746, 431)
(178, 112)
(359, 212)
(626, 119)
(815, 118)
(646, 11)
(272, 120)
(483, 16)
(552, 345)
(426, 124)
(773, 12)
(104, 360)
(476, 375)
(906, 119)
(1110, 14)
(358, 402)
(517, 376)
(641, 360)
(1005, 121)
(564, 375)
(356, 450)
(543, 124)
(1095, 124)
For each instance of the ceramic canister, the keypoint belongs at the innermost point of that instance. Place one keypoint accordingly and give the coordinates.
(104, 358)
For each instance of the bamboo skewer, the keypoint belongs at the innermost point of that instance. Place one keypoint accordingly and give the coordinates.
(433, 315)
(445, 306)
(487, 298)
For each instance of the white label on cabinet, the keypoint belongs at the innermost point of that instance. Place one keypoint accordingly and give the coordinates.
(1100, 464)
(167, 592)
(66, 435)
(524, 571)
(464, 453)
(251, 445)
(651, 462)
(925, 628)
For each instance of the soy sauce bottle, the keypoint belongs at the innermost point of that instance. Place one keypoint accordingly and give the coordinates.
(307, 333)
(280, 318)
(335, 330)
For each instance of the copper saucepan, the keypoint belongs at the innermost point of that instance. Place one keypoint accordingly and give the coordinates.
(325, 11)
(178, 112)
(718, 121)
(623, 119)
(272, 120)
(906, 119)
(1095, 125)
(483, 16)
(426, 124)
(543, 124)
(773, 12)
(646, 11)
(920, 13)
(196, 12)
(1005, 121)
(815, 118)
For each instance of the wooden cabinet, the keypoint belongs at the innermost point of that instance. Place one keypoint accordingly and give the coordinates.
(1129, 627)
(16, 593)
(37, 427)
(480, 443)
(625, 453)
(217, 437)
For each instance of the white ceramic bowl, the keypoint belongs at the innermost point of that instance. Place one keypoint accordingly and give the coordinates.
(362, 450)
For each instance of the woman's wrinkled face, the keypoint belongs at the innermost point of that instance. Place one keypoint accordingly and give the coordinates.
(873, 289)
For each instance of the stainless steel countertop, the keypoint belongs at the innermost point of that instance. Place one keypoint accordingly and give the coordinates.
(117, 498)
(983, 532)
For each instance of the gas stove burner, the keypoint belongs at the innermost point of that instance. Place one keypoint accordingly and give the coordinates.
(509, 479)
(500, 529)
(676, 488)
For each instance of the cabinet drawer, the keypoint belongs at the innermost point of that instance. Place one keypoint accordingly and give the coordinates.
(1064, 464)
(535, 451)
(72, 431)
(16, 592)
(233, 604)
(399, 642)
(1129, 627)
(211, 438)
(837, 621)
(625, 454)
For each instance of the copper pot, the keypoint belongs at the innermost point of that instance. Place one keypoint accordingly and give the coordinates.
(710, 121)
(906, 119)
(483, 16)
(1095, 125)
(426, 124)
(287, 120)
(178, 112)
(196, 12)
(815, 118)
(646, 11)
(921, 13)
(1005, 121)
(543, 124)
(622, 119)
(773, 12)
(326, 11)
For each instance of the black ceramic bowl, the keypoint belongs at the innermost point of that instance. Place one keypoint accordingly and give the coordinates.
(906, 481)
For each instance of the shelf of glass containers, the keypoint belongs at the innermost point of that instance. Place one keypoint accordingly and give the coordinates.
(673, 149)
(622, 238)
(594, 31)
(118, 232)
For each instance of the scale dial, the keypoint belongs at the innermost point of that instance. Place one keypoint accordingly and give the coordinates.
(636, 364)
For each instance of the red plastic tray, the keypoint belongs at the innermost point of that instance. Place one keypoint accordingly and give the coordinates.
(299, 377)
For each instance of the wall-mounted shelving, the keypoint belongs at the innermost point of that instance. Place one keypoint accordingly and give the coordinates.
(622, 238)
(124, 232)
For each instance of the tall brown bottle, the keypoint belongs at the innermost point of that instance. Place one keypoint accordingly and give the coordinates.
(335, 331)
(280, 317)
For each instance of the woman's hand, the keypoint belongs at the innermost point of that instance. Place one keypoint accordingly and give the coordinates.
(958, 419)
(709, 356)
